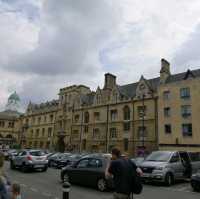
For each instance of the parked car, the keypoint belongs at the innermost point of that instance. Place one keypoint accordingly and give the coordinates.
(54, 159)
(29, 159)
(137, 160)
(195, 181)
(68, 160)
(89, 171)
(11, 153)
(169, 166)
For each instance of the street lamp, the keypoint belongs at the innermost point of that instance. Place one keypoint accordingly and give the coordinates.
(143, 127)
(23, 137)
(61, 143)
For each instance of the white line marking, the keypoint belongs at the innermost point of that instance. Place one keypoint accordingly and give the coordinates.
(23, 185)
(46, 194)
(33, 189)
(183, 188)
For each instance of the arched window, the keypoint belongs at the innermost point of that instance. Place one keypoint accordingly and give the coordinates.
(9, 136)
(98, 99)
(126, 113)
(86, 117)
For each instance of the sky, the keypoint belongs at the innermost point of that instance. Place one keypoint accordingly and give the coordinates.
(50, 44)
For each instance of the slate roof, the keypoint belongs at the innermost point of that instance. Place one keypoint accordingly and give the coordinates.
(181, 76)
(9, 115)
(43, 107)
(130, 89)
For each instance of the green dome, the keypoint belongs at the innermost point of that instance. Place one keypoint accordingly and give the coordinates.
(14, 97)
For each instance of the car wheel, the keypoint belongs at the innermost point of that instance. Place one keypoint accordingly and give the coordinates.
(101, 184)
(66, 178)
(12, 166)
(195, 186)
(24, 168)
(44, 169)
(169, 179)
(51, 164)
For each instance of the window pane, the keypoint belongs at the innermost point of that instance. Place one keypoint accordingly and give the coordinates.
(168, 128)
(187, 129)
(83, 163)
(186, 110)
(166, 95)
(185, 93)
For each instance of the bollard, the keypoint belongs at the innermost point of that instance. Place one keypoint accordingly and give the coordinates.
(66, 189)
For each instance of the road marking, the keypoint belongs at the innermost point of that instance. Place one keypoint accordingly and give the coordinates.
(23, 185)
(46, 194)
(183, 189)
(33, 189)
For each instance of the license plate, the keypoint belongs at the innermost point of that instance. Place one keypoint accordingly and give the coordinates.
(38, 166)
(39, 159)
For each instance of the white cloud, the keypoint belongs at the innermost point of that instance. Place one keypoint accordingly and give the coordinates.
(71, 41)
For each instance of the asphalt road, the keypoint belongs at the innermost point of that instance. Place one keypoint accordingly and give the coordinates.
(47, 186)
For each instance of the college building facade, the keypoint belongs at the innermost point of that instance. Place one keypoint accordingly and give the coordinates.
(160, 113)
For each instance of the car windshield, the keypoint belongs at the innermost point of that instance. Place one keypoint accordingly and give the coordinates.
(159, 156)
(37, 153)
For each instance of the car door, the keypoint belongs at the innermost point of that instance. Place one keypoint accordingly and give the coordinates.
(17, 158)
(95, 171)
(186, 162)
(195, 161)
(79, 173)
(176, 165)
(21, 158)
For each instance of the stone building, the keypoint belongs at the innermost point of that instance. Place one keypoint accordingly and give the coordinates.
(159, 113)
(111, 116)
(9, 122)
(179, 110)
(39, 125)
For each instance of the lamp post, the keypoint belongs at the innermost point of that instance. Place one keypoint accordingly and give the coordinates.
(61, 143)
(23, 137)
(143, 127)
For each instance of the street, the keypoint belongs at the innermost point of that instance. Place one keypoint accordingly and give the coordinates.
(47, 186)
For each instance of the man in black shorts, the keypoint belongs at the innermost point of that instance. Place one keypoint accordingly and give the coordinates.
(120, 169)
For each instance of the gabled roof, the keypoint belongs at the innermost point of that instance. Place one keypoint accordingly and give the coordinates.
(130, 89)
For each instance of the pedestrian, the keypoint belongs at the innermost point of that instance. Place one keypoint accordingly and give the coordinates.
(4, 181)
(16, 193)
(120, 169)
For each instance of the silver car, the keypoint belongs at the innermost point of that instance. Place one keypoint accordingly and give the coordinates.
(168, 166)
(29, 159)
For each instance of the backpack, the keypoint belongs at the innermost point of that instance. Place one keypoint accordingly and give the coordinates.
(136, 181)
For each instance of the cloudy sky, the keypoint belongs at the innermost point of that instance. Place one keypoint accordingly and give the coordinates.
(49, 44)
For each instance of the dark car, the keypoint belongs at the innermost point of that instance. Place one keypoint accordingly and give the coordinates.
(68, 160)
(88, 171)
(195, 181)
(54, 159)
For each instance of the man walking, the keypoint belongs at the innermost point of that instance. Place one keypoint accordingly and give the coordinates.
(120, 169)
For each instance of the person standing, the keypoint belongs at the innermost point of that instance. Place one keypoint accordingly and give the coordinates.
(4, 181)
(16, 191)
(120, 169)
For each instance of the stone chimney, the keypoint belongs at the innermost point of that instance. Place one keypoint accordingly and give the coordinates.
(110, 81)
(165, 71)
